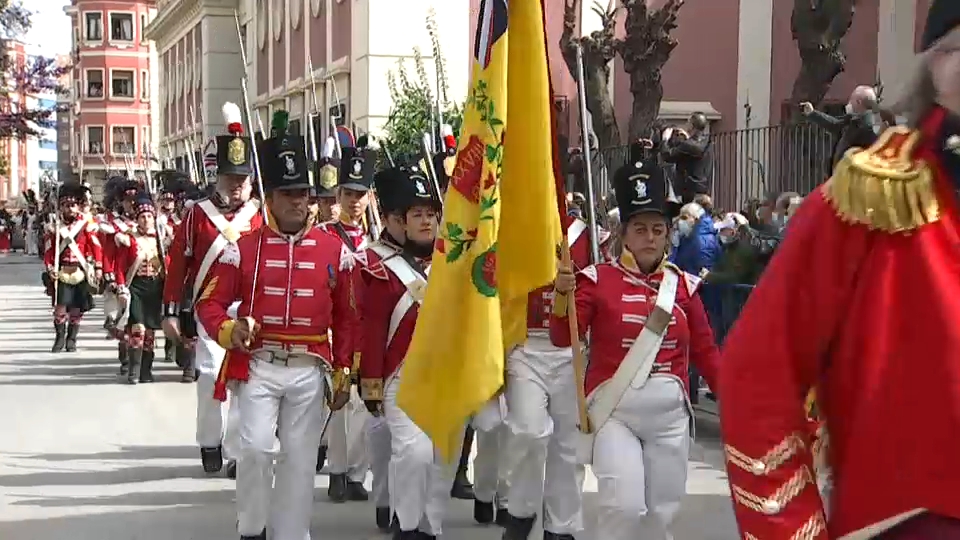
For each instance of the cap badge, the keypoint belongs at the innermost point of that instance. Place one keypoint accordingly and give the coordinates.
(237, 151)
(290, 165)
(421, 189)
(356, 169)
(641, 188)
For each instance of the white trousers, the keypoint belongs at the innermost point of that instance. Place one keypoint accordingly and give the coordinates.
(284, 401)
(491, 466)
(378, 449)
(419, 481)
(216, 421)
(640, 460)
(542, 418)
(346, 452)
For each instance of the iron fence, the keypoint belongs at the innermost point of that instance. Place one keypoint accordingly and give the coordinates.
(755, 163)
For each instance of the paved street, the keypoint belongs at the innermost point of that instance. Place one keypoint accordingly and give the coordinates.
(85, 458)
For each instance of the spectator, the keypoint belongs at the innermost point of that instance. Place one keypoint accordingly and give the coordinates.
(688, 148)
(858, 128)
(698, 248)
(740, 261)
(706, 202)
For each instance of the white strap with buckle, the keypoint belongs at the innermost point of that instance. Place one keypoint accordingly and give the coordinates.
(229, 232)
(415, 285)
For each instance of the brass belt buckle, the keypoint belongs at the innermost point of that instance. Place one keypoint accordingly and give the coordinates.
(279, 357)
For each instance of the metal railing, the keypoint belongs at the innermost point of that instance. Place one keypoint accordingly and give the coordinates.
(760, 162)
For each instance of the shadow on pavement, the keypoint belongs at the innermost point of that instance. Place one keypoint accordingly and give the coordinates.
(64, 381)
(84, 370)
(157, 498)
(124, 452)
(126, 475)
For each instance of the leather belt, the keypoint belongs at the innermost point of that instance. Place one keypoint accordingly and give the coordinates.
(286, 358)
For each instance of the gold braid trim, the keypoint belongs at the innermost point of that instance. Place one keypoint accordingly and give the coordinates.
(884, 187)
(775, 503)
(770, 461)
(809, 531)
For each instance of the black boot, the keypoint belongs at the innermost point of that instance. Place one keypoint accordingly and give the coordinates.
(547, 535)
(383, 519)
(337, 491)
(72, 332)
(462, 488)
(146, 369)
(356, 491)
(321, 458)
(261, 536)
(232, 469)
(503, 517)
(169, 352)
(483, 512)
(122, 356)
(185, 360)
(134, 361)
(518, 528)
(60, 340)
(212, 459)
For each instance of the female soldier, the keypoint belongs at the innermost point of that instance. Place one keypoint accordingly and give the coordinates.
(646, 324)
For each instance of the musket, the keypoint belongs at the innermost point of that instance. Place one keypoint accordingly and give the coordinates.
(56, 245)
(428, 161)
(191, 158)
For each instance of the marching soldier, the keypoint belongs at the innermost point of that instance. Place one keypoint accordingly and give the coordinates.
(139, 270)
(168, 218)
(294, 283)
(119, 194)
(209, 227)
(324, 200)
(346, 454)
(394, 285)
(646, 324)
(74, 266)
(869, 326)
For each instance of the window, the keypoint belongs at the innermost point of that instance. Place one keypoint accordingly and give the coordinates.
(95, 139)
(122, 140)
(145, 138)
(121, 27)
(46, 104)
(95, 83)
(293, 127)
(94, 24)
(47, 144)
(121, 83)
(144, 85)
(48, 165)
(339, 114)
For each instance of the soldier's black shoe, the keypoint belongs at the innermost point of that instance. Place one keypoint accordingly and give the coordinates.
(503, 517)
(518, 528)
(72, 331)
(547, 535)
(483, 512)
(169, 352)
(232, 469)
(122, 356)
(146, 368)
(321, 458)
(462, 488)
(212, 459)
(135, 357)
(337, 491)
(383, 519)
(189, 375)
(356, 491)
(412, 535)
(60, 339)
(261, 536)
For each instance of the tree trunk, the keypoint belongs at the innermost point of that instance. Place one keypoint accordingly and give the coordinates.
(645, 50)
(598, 51)
(818, 27)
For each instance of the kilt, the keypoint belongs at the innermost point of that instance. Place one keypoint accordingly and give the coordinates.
(146, 302)
(75, 297)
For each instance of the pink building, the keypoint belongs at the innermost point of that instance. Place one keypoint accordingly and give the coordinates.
(113, 121)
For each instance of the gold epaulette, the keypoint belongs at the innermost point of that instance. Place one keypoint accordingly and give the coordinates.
(885, 187)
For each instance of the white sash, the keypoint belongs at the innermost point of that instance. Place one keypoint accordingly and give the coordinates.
(69, 241)
(412, 281)
(228, 233)
(142, 255)
(577, 228)
(636, 365)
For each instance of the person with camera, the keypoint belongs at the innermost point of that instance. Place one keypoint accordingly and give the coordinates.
(688, 149)
(858, 127)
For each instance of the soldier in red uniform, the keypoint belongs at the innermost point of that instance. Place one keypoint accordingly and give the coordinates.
(294, 283)
(139, 269)
(646, 324)
(114, 231)
(74, 272)
(345, 449)
(860, 305)
(325, 192)
(209, 227)
(394, 286)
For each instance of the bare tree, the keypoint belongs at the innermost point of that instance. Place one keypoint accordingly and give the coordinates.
(818, 27)
(645, 50)
(599, 49)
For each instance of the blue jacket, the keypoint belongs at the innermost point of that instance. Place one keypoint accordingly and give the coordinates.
(699, 250)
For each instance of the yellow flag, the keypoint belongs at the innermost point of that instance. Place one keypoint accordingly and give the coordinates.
(456, 359)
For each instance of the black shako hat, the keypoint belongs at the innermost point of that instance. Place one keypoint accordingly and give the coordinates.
(401, 188)
(942, 17)
(72, 192)
(357, 168)
(283, 163)
(640, 186)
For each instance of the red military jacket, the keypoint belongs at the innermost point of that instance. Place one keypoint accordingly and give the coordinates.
(197, 243)
(143, 256)
(354, 237)
(79, 245)
(393, 290)
(613, 302)
(304, 289)
(114, 233)
(860, 303)
(540, 301)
